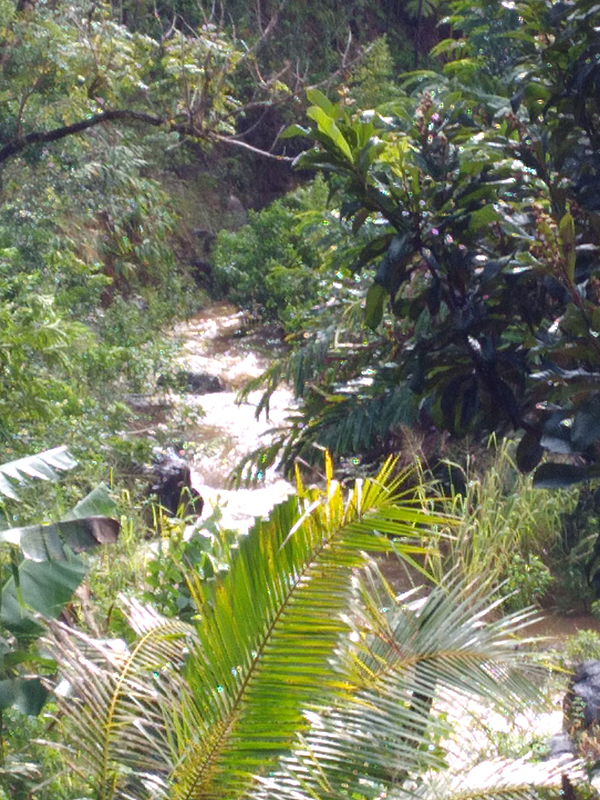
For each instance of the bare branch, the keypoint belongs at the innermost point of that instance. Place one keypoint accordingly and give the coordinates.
(246, 146)
(19, 144)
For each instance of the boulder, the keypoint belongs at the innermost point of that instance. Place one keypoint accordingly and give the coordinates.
(192, 382)
(582, 704)
(172, 484)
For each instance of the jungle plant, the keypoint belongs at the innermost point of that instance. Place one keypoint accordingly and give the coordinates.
(287, 582)
(294, 650)
(45, 568)
(582, 646)
(281, 264)
(507, 530)
(485, 263)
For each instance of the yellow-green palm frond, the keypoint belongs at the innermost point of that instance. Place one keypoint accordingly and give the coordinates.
(266, 633)
(195, 712)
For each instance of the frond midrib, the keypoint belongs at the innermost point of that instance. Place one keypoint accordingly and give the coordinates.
(254, 669)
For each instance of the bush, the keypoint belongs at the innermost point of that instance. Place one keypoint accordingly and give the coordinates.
(276, 265)
(583, 646)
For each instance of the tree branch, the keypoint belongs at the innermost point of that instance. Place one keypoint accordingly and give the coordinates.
(246, 146)
(19, 144)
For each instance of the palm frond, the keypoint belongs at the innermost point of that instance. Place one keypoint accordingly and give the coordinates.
(113, 711)
(507, 780)
(344, 423)
(397, 659)
(197, 712)
(43, 466)
(266, 634)
(298, 369)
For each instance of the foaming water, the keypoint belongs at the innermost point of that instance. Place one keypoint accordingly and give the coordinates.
(219, 342)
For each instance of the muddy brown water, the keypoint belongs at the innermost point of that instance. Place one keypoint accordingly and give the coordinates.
(555, 628)
(222, 341)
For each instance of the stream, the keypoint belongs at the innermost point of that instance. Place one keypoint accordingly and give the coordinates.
(221, 343)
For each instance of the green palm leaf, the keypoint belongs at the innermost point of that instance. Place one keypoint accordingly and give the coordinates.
(267, 632)
(231, 691)
(398, 657)
(113, 711)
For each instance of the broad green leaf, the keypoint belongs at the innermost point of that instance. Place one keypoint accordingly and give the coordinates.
(294, 130)
(317, 98)
(376, 298)
(98, 503)
(328, 127)
(45, 542)
(559, 476)
(26, 694)
(483, 216)
(45, 586)
(41, 466)
(566, 229)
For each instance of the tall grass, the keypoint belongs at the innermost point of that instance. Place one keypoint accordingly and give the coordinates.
(502, 519)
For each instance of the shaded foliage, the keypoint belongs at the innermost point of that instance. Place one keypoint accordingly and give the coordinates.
(484, 296)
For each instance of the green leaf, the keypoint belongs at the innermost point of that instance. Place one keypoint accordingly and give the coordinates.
(376, 297)
(45, 586)
(483, 216)
(294, 130)
(566, 228)
(317, 98)
(42, 466)
(98, 503)
(330, 130)
(26, 694)
(45, 542)
(529, 452)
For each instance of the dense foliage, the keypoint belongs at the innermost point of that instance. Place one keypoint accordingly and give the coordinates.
(439, 272)
(480, 178)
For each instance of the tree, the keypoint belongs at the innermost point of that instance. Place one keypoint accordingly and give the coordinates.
(484, 298)
(64, 74)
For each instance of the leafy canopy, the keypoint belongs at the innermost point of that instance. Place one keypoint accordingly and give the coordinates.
(482, 182)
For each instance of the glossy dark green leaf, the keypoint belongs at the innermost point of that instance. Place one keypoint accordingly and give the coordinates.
(586, 425)
(556, 434)
(391, 272)
(529, 452)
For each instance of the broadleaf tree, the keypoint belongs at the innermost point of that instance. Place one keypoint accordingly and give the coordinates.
(481, 181)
